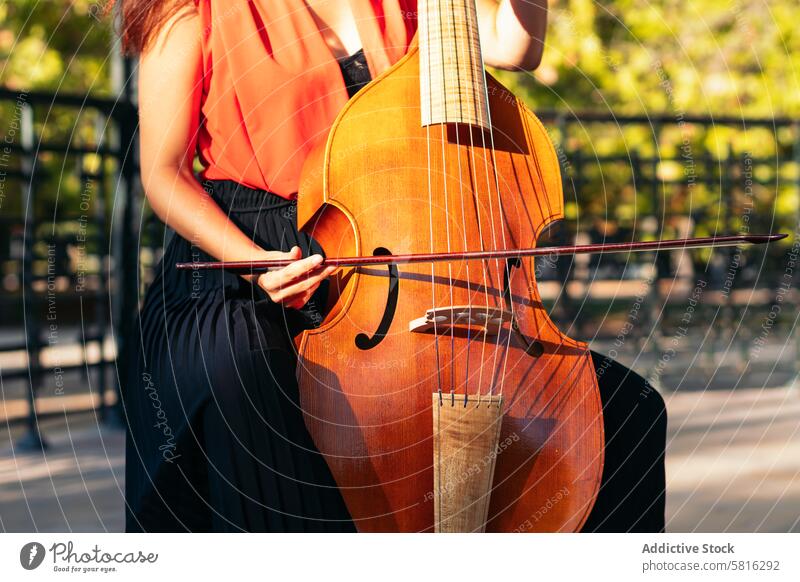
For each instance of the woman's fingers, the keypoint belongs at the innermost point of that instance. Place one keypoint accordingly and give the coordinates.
(298, 283)
(281, 277)
(294, 284)
(297, 301)
(299, 270)
(282, 286)
(293, 253)
(299, 294)
(298, 286)
(301, 267)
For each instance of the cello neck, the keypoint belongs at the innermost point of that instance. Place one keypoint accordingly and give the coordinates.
(452, 81)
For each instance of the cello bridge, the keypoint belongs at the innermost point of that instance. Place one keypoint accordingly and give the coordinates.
(484, 319)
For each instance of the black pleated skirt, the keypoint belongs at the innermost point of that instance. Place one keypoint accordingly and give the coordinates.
(216, 438)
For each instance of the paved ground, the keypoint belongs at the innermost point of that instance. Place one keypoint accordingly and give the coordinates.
(76, 485)
(733, 464)
(733, 461)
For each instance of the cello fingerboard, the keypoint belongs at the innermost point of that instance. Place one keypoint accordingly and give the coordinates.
(452, 81)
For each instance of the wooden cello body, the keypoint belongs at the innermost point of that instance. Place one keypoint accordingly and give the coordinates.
(387, 379)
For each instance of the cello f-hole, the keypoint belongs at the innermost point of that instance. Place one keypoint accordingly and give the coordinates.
(365, 342)
(510, 264)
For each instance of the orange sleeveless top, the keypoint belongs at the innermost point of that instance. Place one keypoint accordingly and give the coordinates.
(272, 87)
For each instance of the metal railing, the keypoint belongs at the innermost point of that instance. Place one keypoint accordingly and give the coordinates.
(69, 177)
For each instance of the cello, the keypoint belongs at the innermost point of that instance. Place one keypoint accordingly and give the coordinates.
(441, 395)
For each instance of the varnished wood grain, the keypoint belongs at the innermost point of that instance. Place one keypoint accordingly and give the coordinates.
(466, 433)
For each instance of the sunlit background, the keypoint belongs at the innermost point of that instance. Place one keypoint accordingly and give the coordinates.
(671, 118)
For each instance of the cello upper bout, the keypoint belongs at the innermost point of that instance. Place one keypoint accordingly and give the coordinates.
(311, 194)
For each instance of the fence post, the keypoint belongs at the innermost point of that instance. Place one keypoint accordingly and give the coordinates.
(124, 257)
(564, 265)
(126, 262)
(101, 297)
(32, 440)
(656, 312)
(793, 330)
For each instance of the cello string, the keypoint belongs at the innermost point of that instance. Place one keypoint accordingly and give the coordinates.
(478, 207)
(426, 24)
(447, 224)
(508, 268)
(443, 137)
(449, 264)
(466, 263)
(433, 271)
(458, 60)
(493, 171)
(470, 58)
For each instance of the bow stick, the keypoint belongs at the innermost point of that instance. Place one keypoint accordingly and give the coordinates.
(628, 247)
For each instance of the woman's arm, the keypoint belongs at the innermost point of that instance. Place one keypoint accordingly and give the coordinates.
(512, 32)
(170, 85)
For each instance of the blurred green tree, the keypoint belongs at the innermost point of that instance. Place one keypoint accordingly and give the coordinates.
(689, 56)
(55, 44)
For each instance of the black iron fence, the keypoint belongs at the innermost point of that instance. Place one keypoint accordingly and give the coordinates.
(672, 176)
(68, 194)
(77, 245)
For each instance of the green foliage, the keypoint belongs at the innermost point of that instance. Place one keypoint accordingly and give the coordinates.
(54, 44)
(709, 58)
(676, 56)
(60, 46)
(626, 56)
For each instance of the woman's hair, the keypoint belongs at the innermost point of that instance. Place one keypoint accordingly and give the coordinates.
(141, 20)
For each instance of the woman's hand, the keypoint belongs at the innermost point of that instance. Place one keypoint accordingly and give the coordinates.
(294, 284)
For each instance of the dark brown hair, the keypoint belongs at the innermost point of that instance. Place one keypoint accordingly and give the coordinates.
(141, 20)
